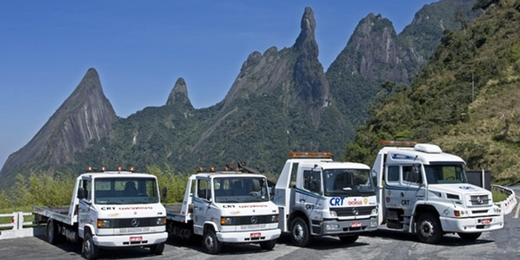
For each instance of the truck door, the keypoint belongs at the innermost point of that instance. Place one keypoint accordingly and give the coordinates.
(201, 203)
(412, 180)
(403, 187)
(310, 200)
(83, 209)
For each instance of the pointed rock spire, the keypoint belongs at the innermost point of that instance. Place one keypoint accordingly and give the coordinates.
(306, 39)
(310, 82)
(179, 94)
(85, 115)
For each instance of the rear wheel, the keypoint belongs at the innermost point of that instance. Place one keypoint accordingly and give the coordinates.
(52, 232)
(349, 239)
(469, 236)
(90, 249)
(268, 245)
(429, 229)
(300, 234)
(210, 242)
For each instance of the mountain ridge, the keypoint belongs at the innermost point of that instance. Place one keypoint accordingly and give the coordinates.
(280, 101)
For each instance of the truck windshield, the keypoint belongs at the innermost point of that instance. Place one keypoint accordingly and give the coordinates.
(445, 173)
(348, 182)
(240, 189)
(125, 190)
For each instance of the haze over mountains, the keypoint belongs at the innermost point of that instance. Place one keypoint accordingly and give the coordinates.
(281, 101)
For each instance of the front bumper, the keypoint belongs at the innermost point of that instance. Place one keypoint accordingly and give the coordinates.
(249, 237)
(131, 240)
(340, 227)
(473, 224)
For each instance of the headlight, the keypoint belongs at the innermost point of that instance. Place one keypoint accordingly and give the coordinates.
(460, 213)
(275, 218)
(226, 221)
(161, 221)
(333, 213)
(374, 211)
(104, 223)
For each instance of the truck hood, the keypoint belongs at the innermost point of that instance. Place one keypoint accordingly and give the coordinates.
(246, 209)
(131, 210)
(458, 188)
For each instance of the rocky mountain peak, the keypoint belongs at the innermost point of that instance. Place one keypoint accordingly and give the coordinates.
(179, 94)
(310, 83)
(85, 115)
(308, 29)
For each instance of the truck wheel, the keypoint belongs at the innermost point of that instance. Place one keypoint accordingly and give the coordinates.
(90, 250)
(157, 249)
(300, 234)
(210, 243)
(268, 245)
(469, 236)
(52, 233)
(349, 239)
(429, 229)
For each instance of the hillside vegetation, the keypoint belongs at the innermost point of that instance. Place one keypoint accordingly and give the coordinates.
(466, 99)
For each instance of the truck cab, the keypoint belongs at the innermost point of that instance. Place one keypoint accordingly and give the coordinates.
(317, 196)
(425, 191)
(226, 207)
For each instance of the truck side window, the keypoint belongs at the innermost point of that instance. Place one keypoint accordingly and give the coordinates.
(312, 181)
(86, 185)
(392, 174)
(292, 179)
(203, 189)
(408, 175)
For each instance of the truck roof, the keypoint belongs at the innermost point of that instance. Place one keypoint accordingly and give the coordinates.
(330, 164)
(228, 174)
(426, 156)
(116, 174)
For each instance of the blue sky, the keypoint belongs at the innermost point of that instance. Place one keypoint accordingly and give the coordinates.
(140, 48)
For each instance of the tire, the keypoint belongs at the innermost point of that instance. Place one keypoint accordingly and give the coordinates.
(51, 232)
(300, 234)
(210, 242)
(157, 249)
(90, 250)
(429, 228)
(469, 236)
(349, 239)
(268, 245)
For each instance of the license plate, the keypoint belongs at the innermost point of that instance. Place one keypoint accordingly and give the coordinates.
(255, 235)
(355, 224)
(486, 221)
(136, 239)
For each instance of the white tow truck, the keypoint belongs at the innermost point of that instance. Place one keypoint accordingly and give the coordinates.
(109, 209)
(317, 196)
(225, 207)
(423, 190)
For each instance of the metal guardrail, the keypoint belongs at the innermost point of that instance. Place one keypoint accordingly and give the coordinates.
(18, 227)
(509, 204)
(17, 220)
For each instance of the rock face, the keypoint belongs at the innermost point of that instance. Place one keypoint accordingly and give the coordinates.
(179, 94)
(85, 115)
(295, 73)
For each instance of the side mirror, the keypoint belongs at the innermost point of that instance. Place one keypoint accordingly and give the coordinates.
(81, 193)
(164, 192)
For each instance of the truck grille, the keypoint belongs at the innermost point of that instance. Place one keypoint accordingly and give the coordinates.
(353, 211)
(246, 220)
(477, 200)
(135, 222)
